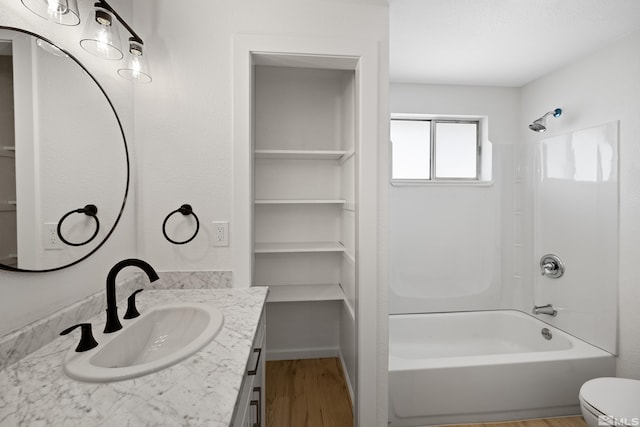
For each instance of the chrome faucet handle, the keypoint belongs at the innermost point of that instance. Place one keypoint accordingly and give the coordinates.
(548, 268)
(551, 266)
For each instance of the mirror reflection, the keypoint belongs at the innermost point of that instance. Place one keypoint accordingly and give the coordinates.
(62, 148)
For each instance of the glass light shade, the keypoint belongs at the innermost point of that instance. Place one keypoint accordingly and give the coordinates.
(100, 36)
(137, 66)
(63, 12)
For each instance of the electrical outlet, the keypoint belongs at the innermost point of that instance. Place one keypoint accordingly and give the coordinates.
(51, 240)
(220, 233)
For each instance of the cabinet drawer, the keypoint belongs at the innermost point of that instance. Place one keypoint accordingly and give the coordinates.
(250, 409)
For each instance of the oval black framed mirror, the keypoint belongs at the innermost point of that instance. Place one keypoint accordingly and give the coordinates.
(64, 162)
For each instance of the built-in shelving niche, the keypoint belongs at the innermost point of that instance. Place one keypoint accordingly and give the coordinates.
(304, 203)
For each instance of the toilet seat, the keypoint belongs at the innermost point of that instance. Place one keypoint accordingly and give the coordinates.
(613, 398)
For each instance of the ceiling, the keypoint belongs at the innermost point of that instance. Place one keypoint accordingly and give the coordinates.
(499, 42)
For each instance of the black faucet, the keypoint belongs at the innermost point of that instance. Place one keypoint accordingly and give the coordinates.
(113, 323)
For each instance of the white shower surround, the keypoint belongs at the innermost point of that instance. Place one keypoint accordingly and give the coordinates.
(468, 248)
(446, 241)
(601, 88)
(576, 217)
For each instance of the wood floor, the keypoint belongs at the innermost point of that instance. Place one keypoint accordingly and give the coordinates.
(307, 393)
(313, 393)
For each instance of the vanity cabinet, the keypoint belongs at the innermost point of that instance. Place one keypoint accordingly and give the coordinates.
(250, 411)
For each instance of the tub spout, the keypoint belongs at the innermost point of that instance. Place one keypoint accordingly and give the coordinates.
(545, 309)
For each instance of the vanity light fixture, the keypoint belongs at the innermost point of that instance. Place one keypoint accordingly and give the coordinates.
(63, 12)
(101, 38)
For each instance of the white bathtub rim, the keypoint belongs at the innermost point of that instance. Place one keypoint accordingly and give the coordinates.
(521, 313)
(579, 350)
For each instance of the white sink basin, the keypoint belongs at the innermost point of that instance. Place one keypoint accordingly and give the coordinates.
(160, 337)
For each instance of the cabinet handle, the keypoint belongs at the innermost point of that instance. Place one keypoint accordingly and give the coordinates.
(258, 405)
(255, 370)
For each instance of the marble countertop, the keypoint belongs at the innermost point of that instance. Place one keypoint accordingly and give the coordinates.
(199, 391)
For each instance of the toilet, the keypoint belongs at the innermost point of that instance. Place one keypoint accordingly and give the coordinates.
(611, 402)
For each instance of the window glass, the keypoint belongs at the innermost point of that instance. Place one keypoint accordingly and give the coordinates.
(411, 151)
(456, 153)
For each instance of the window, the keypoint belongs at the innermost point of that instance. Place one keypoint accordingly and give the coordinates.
(432, 150)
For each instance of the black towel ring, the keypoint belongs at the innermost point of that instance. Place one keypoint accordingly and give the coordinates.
(185, 209)
(89, 210)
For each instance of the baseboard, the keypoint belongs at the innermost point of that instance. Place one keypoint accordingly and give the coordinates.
(303, 353)
(347, 379)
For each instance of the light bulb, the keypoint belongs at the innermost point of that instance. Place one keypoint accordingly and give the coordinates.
(137, 67)
(99, 37)
(63, 12)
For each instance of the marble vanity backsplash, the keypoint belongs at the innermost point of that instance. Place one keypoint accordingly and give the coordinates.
(15, 345)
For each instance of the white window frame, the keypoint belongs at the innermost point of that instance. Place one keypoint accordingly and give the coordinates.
(482, 166)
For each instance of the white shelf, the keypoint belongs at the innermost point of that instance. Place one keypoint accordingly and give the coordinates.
(9, 148)
(301, 154)
(300, 202)
(297, 247)
(293, 293)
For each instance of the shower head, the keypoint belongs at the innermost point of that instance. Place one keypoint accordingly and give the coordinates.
(540, 125)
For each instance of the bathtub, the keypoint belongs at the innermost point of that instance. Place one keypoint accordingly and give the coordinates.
(484, 366)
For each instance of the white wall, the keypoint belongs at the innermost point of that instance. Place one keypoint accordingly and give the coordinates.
(25, 297)
(598, 89)
(448, 243)
(185, 116)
